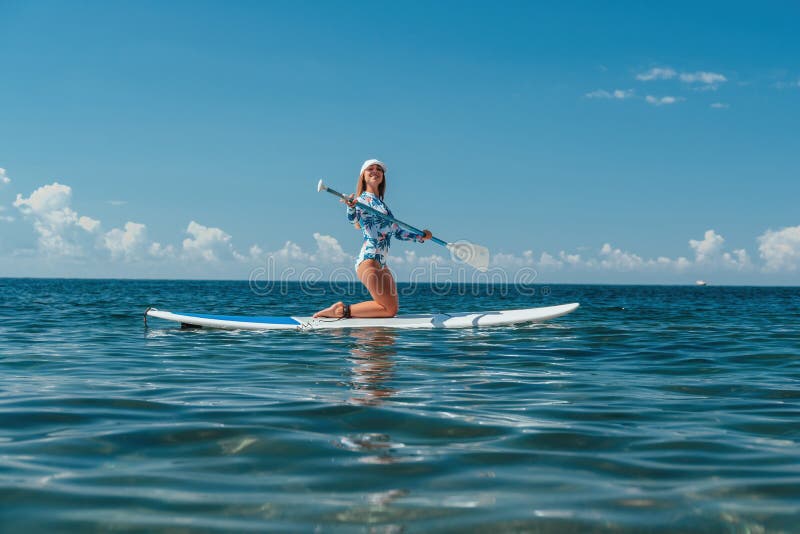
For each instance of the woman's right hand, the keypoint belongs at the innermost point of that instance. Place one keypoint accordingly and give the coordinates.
(350, 201)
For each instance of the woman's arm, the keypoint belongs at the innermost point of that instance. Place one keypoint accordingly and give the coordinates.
(408, 235)
(353, 213)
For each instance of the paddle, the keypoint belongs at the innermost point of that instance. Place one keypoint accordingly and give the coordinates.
(469, 253)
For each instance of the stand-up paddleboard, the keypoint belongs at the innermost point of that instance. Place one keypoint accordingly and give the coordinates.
(439, 320)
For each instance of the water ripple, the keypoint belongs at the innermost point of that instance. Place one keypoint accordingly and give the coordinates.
(649, 409)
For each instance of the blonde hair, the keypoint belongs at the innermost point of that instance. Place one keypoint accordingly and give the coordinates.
(361, 186)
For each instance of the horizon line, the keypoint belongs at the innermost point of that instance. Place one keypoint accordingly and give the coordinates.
(654, 284)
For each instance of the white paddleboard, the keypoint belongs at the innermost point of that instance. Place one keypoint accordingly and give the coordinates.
(439, 320)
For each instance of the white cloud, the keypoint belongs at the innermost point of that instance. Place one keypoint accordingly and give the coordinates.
(55, 222)
(4, 179)
(703, 81)
(739, 259)
(618, 260)
(157, 250)
(707, 249)
(48, 198)
(329, 250)
(680, 264)
(434, 259)
(506, 260)
(720, 105)
(709, 255)
(207, 243)
(664, 100)
(291, 253)
(128, 244)
(656, 74)
(708, 252)
(256, 252)
(117, 202)
(545, 261)
(62, 232)
(706, 78)
(570, 259)
(88, 224)
(599, 93)
(780, 249)
(617, 94)
(608, 259)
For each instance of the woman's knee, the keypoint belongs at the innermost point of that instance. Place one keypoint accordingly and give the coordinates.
(390, 298)
(391, 308)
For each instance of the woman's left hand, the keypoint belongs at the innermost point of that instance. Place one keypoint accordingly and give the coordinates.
(426, 235)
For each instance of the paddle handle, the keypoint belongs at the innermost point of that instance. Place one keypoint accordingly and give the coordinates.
(322, 187)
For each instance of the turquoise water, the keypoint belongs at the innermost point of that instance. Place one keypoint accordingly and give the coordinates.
(648, 409)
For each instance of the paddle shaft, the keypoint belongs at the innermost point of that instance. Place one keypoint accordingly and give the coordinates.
(384, 216)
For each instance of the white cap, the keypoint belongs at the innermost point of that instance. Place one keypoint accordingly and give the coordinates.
(373, 162)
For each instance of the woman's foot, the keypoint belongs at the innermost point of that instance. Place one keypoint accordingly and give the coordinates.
(334, 310)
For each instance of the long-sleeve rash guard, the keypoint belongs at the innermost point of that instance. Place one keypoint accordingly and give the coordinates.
(377, 231)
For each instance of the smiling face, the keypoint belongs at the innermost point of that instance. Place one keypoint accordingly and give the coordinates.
(373, 180)
(373, 177)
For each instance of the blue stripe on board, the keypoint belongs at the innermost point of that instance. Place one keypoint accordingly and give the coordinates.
(243, 318)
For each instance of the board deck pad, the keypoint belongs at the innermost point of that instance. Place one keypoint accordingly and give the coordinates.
(420, 321)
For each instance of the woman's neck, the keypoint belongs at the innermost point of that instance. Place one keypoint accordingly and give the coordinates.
(373, 190)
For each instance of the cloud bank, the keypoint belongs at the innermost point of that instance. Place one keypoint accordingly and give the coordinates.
(63, 233)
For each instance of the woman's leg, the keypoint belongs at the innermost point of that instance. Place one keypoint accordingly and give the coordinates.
(380, 284)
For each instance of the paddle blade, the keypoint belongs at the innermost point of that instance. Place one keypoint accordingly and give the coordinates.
(321, 186)
(470, 253)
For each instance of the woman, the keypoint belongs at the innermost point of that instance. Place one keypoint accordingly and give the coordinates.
(371, 263)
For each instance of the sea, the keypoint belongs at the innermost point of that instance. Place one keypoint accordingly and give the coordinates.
(649, 409)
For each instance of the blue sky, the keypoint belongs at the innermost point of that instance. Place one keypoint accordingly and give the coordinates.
(583, 140)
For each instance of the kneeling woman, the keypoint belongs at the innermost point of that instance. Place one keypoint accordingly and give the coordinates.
(371, 262)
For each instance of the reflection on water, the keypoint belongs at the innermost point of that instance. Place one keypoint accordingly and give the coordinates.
(372, 354)
(372, 358)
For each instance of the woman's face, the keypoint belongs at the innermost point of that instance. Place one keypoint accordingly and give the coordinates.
(373, 175)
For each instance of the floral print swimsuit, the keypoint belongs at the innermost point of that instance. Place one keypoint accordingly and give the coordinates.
(377, 230)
